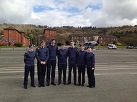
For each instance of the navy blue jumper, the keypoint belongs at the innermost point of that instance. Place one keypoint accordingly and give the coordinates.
(72, 55)
(53, 49)
(42, 54)
(90, 58)
(81, 62)
(62, 65)
(29, 58)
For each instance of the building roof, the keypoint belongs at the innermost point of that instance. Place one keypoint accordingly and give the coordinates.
(83, 35)
(22, 32)
(49, 29)
(107, 36)
(10, 28)
(26, 37)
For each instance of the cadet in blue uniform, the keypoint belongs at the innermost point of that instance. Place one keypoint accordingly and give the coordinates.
(81, 62)
(72, 53)
(29, 57)
(42, 55)
(90, 58)
(53, 49)
(62, 64)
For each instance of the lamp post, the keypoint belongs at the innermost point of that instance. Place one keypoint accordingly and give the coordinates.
(50, 34)
(8, 38)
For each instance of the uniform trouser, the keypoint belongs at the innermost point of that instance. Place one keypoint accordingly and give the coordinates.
(51, 63)
(62, 68)
(41, 73)
(91, 76)
(81, 71)
(26, 73)
(72, 66)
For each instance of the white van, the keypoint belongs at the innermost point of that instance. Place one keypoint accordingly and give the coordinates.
(112, 46)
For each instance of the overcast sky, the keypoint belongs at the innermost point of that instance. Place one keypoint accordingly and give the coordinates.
(99, 13)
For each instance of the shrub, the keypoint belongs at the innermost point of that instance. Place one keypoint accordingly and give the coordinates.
(118, 44)
(59, 44)
(67, 42)
(18, 44)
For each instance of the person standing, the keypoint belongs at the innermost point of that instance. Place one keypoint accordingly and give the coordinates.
(42, 55)
(81, 62)
(90, 58)
(29, 58)
(62, 64)
(72, 53)
(53, 49)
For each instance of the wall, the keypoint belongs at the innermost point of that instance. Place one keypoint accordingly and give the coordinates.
(13, 36)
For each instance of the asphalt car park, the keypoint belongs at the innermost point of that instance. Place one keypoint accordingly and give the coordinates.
(115, 73)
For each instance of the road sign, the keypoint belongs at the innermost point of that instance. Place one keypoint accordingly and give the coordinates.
(13, 41)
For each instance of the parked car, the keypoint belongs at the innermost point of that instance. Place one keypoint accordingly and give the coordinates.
(131, 47)
(112, 46)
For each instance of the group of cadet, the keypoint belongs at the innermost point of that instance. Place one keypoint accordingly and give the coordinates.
(46, 64)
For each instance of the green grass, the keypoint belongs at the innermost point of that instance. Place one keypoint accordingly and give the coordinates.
(122, 46)
(107, 47)
(12, 47)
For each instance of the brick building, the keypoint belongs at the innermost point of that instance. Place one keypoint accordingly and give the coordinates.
(12, 36)
(101, 39)
(107, 39)
(47, 35)
(0, 42)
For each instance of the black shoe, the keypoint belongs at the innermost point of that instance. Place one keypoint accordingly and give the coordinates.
(68, 83)
(53, 84)
(59, 83)
(33, 86)
(64, 83)
(48, 84)
(79, 84)
(43, 85)
(88, 86)
(91, 86)
(82, 84)
(25, 87)
(39, 85)
(75, 84)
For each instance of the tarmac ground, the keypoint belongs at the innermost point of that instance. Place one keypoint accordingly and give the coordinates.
(115, 73)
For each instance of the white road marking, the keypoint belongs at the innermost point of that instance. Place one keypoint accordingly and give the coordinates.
(2, 72)
(99, 67)
(132, 73)
(116, 69)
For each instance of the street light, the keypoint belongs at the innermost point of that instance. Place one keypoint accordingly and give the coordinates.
(50, 34)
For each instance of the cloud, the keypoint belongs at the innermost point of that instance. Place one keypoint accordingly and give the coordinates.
(14, 11)
(100, 13)
(125, 9)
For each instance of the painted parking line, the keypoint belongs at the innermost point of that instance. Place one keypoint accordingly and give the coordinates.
(22, 70)
(8, 72)
(133, 73)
